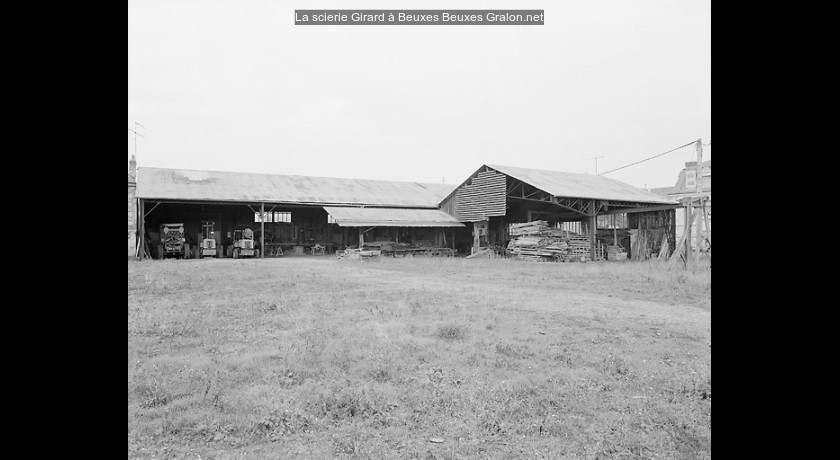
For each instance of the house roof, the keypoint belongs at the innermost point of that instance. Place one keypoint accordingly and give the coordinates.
(389, 217)
(217, 186)
(575, 185)
(662, 191)
(706, 174)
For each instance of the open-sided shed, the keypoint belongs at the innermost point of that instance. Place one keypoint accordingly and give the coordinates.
(287, 210)
(495, 196)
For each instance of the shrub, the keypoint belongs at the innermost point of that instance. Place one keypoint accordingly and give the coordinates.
(452, 332)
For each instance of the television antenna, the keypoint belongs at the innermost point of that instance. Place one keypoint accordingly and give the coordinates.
(596, 163)
(135, 136)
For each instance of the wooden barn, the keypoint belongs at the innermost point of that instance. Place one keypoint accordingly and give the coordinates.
(607, 212)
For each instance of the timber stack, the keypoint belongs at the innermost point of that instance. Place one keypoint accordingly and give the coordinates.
(579, 248)
(537, 241)
(353, 253)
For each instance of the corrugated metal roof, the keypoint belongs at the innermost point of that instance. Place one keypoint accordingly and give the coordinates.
(181, 184)
(574, 185)
(390, 217)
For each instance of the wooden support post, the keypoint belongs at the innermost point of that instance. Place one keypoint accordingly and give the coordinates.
(679, 247)
(615, 230)
(361, 238)
(699, 237)
(592, 228)
(689, 222)
(502, 231)
(344, 236)
(136, 229)
(142, 215)
(262, 230)
(476, 241)
(708, 228)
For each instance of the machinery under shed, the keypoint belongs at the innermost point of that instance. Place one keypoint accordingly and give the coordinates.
(229, 214)
(501, 210)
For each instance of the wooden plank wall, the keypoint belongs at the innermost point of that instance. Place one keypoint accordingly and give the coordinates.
(448, 205)
(132, 219)
(483, 197)
(655, 224)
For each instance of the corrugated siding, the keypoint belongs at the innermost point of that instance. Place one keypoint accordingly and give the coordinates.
(483, 197)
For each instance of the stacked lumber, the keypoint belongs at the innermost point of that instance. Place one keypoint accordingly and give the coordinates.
(537, 227)
(417, 248)
(345, 254)
(537, 241)
(579, 247)
(483, 253)
(359, 254)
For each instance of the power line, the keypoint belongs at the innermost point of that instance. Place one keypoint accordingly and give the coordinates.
(650, 158)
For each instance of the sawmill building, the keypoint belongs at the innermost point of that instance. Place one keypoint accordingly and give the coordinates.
(288, 214)
(297, 214)
(609, 212)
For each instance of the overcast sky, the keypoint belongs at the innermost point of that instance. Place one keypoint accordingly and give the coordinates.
(235, 86)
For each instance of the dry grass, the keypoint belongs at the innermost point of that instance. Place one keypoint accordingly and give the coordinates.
(318, 358)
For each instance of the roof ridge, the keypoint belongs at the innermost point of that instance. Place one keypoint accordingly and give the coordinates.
(587, 191)
(297, 175)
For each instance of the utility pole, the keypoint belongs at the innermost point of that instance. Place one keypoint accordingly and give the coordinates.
(596, 163)
(141, 215)
(135, 137)
(699, 191)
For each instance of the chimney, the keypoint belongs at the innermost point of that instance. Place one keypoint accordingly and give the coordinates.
(132, 167)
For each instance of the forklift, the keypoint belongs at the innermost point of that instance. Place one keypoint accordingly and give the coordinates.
(243, 244)
(208, 241)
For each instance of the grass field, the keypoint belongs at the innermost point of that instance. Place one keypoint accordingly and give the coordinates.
(311, 357)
